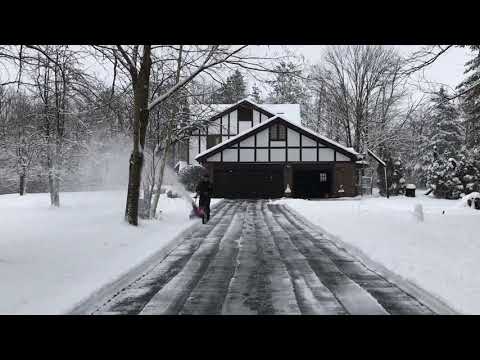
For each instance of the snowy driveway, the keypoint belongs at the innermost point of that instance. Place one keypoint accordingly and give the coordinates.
(255, 257)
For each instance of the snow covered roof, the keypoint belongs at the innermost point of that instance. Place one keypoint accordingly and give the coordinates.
(376, 157)
(244, 134)
(361, 162)
(290, 111)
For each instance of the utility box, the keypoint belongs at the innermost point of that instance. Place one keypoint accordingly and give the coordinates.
(410, 190)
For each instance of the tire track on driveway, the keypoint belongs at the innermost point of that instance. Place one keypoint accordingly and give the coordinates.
(171, 298)
(208, 296)
(312, 295)
(394, 300)
(353, 297)
(133, 298)
(254, 257)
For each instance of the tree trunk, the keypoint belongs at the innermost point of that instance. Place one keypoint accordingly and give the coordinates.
(134, 180)
(22, 184)
(140, 90)
(51, 187)
(56, 175)
(53, 184)
(147, 200)
(56, 194)
(163, 162)
(51, 177)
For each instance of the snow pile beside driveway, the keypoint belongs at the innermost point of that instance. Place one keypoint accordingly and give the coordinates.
(440, 254)
(469, 200)
(51, 259)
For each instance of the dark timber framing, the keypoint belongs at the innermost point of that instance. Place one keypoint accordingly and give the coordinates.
(321, 143)
(301, 148)
(246, 176)
(228, 111)
(221, 135)
(228, 125)
(286, 144)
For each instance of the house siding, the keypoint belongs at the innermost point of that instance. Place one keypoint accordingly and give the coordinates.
(298, 155)
(254, 158)
(345, 174)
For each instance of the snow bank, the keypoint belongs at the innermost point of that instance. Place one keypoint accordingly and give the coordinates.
(51, 259)
(472, 196)
(439, 254)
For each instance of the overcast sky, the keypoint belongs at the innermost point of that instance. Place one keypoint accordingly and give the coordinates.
(447, 69)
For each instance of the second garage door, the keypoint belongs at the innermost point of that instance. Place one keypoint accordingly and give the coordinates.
(248, 181)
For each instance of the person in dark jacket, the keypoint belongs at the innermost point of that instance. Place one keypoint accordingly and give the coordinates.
(204, 190)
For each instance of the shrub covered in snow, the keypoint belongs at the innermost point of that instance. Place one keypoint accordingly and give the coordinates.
(398, 182)
(172, 194)
(453, 177)
(441, 177)
(471, 200)
(468, 170)
(190, 175)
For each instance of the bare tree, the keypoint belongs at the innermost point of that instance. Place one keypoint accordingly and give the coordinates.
(181, 63)
(20, 140)
(51, 78)
(424, 57)
(361, 85)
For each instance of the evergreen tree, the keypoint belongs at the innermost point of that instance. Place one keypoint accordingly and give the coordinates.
(442, 178)
(395, 173)
(397, 184)
(233, 90)
(468, 170)
(471, 99)
(256, 97)
(447, 133)
(287, 87)
(442, 146)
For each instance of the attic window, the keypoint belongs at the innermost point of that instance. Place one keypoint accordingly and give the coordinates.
(213, 140)
(245, 114)
(278, 132)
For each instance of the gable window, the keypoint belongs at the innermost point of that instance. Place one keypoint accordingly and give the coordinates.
(213, 140)
(278, 132)
(245, 114)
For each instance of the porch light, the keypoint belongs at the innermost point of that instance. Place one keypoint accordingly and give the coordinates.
(288, 192)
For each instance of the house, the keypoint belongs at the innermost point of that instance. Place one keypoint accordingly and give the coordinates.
(255, 151)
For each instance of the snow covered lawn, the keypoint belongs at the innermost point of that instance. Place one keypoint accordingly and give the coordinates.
(51, 259)
(441, 254)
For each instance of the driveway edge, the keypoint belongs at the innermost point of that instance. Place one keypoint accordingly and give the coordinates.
(93, 301)
(433, 302)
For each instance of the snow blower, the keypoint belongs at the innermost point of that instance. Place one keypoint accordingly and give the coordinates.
(197, 211)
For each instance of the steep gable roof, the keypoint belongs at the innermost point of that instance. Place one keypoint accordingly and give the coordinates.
(290, 111)
(233, 140)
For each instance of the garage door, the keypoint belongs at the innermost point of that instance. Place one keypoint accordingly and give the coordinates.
(311, 183)
(248, 182)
